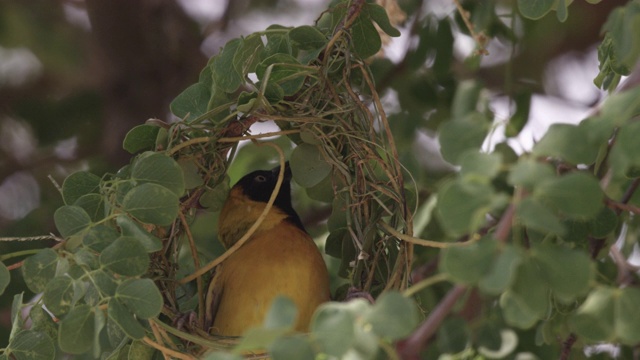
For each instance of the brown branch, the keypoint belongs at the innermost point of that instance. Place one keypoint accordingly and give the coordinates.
(410, 348)
(566, 346)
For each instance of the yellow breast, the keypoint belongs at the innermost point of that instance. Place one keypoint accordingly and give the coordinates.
(281, 261)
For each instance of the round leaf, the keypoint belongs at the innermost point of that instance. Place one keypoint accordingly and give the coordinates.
(39, 269)
(577, 195)
(126, 256)
(282, 313)
(568, 272)
(536, 216)
(468, 264)
(78, 184)
(99, 237)
(567, 142)
(71, 219)
(93, 205)
(308, 167)
(125, 320)
(152, 204)
(332, 328)
(141, 137)
(393, 316)
(130, 228)
(503, 271)
(77, 330)
(594, 319)
(141, 296)
(32, 345)
(535, 9)
(456, 137)
(58, 295)
(159, 169)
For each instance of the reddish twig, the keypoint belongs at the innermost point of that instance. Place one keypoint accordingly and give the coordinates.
(410, 348)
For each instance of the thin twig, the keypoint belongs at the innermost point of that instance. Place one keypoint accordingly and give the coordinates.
(196, 263)
(166, 350)
(409, 349)
(251, 230)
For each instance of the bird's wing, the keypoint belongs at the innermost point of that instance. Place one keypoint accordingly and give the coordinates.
(212, 299)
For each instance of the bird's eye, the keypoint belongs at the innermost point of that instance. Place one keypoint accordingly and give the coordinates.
(260, 178)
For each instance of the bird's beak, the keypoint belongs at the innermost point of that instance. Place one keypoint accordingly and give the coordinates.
(287, 171)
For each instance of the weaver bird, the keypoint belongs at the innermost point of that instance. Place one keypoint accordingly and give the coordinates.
(280, 258)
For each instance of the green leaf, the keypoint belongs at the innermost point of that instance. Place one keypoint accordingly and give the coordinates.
(364, 37)
(157, 168)
(465, 101)
(78, 184)
(462, 206)
(527, 299)
(104, 282)
(99, 237)
(248, 55)
(152, 204)
(213, 199)
(71, 219)
(480, 166)
(99, 323)
(594, 319)
(603, 224)
(332, 328)
(93, 205)
(620, 107)
(278, 41)
(577, 195)
(379, 15)
(568, 142)
(5, 277)
(193, 101)
(141, 137)
(307, 37)
(41, 320)
(627, 317)
(308, 166)
(622, 26)
(562, 12)
(535, 9)
(77, 330)
(393, 316)
(58, 295)
(32, 345)
(536, 216)
(468, 264)
(520, 117)
(567, 271)
(502, 273)
(283, 70)
(126, 256)
(131, 228)
(295, 347)
(140, 350)
(624, 154)
(457, 137)
(282, 314)
(225, 75)
(528, 173)
(125, 320)
(453, 335)
(257, 339)
(141, 296)
(39, 269)
(191, 173)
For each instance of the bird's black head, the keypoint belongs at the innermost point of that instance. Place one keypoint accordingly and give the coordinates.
(259, 185)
